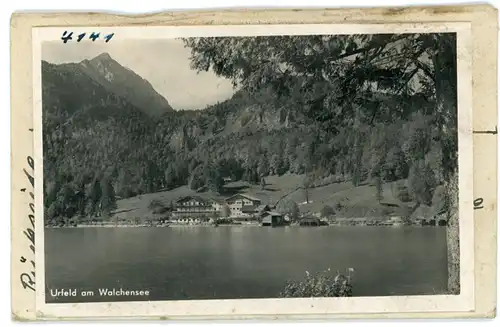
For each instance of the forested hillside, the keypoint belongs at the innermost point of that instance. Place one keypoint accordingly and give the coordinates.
(338, 122)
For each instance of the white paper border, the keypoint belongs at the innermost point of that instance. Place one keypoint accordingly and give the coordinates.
(274, 307)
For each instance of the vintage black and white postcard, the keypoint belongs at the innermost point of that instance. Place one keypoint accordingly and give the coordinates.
(238, 169)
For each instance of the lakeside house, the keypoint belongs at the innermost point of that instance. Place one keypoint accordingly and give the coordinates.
(195, 206)
(243, 206)
(218, 205)
(426, 216)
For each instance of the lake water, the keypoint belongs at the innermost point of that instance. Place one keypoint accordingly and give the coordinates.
(182, 263)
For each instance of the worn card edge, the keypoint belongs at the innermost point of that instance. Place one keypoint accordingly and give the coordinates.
(409, 304)
(483, 19)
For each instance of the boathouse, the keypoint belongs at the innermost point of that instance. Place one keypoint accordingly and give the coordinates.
(273, 219)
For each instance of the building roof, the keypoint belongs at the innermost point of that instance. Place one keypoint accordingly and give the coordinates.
(219, 201)
(261, 207)
(191, 197)
(244, 196)
(423, 212)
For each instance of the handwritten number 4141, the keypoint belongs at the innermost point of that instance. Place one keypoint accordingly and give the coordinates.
(68, 36)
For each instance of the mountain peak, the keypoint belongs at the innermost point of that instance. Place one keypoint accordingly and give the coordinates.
(102, 57)
(125, 83)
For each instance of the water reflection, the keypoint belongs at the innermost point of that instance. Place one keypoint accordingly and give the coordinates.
(244, 262)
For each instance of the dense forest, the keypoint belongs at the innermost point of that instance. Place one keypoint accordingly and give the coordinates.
(343, 108)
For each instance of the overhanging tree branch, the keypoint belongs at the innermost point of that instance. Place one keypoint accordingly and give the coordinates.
(426, 70)
(367, 48)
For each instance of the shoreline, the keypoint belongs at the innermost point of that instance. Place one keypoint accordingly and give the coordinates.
(232, 225)
(305, 222)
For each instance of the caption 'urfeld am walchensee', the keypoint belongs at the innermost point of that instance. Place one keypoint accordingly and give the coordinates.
(101, 292)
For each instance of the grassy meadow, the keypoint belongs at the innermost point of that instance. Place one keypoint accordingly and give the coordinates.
(347, 200)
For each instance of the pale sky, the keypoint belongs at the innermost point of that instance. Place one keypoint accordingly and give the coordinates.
(164, 63)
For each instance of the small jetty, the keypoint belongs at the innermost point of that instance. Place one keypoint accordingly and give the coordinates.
(309, 222)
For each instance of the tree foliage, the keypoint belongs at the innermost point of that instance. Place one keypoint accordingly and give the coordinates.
(334, 76)
(378, 188)
(421, 182)
(225, 211)
(68, 198)
(348, 81)
(288, 207)
(354, 82)
(349, 107)
(318, 285)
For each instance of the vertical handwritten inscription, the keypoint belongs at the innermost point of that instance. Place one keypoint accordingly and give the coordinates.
(27, 278)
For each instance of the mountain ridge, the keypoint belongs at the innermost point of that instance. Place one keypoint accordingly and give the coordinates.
(115, 78)
(124, 82)
(246, 137)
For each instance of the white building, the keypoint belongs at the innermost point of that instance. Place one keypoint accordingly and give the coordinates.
(243, 206)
